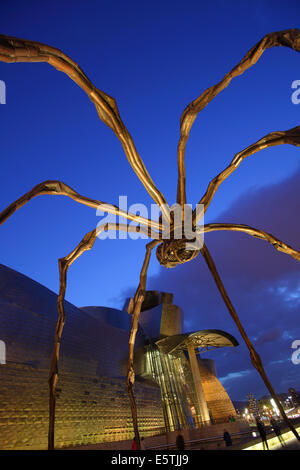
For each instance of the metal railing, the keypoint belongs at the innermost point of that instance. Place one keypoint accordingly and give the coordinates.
(237, 436)
(205, 440)
(163, 430)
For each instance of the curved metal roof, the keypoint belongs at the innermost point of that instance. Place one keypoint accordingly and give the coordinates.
(204, 340)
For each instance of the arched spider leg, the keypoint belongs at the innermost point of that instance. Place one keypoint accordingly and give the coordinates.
(292, 137)
(277, 244)
(58, 188)
(134, 309)
(21, 50)
(86, 243)
(255, 358)
(288, 38)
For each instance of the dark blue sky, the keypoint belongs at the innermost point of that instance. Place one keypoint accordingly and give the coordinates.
(154, 58)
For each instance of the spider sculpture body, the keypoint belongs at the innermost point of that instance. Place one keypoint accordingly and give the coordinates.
(172, 251)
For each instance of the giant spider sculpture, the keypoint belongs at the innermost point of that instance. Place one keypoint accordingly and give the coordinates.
(171, 251)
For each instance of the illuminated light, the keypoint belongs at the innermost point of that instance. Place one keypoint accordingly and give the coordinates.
(273, 442)
(272, 401)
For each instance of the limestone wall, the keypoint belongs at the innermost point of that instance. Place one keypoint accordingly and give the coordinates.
(216, 396)
(90, 409)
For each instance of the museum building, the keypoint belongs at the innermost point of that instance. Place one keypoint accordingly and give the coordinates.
(175, 386)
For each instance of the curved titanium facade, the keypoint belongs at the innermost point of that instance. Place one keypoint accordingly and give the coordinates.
(92, 402)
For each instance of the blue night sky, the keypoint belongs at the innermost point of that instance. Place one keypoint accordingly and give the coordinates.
(154, 58)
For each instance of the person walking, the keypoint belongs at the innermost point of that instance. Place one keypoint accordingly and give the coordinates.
(143, 444)
(263, 433)
(227, 438)
(179, 441)
(134, 444)
(277, 431)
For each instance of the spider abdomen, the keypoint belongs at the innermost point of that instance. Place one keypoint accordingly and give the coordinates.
(170, 253)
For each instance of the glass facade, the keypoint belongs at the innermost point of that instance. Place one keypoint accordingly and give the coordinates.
(173, 374)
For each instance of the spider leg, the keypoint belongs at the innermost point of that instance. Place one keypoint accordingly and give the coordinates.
(134, 309)
(21, 50)
(288, 38)
(277, 244)
(291, 136)
(86, 243)
(255, 358)
(58, 188)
